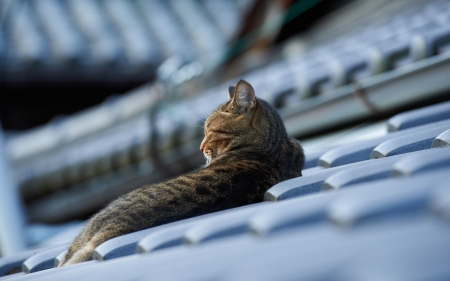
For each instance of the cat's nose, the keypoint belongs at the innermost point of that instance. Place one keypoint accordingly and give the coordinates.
(202, 145)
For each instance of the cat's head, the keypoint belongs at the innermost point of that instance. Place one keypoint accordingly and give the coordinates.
(243, 123)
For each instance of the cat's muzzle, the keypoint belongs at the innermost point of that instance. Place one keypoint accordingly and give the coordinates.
(208, 157)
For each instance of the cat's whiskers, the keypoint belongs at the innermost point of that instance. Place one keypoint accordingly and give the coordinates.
(202, 117)
(205, 114)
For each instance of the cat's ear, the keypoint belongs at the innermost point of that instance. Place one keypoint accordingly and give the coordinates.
(244, 95)
(231, 92)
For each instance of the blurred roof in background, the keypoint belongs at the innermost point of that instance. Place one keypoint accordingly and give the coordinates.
(61, 56)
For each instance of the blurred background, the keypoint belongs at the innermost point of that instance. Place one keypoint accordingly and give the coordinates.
(99, 97)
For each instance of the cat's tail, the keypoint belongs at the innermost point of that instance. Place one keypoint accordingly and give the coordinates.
(85, 250)
(82, 255)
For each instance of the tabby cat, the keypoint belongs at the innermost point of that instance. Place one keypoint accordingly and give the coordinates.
(247, 151)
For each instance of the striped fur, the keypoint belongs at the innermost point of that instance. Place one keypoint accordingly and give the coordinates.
(248, 150)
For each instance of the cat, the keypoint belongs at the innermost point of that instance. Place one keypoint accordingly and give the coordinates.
(247, 151)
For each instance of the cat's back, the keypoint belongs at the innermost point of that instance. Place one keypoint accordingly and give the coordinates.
(284, 153)
(245, 178)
